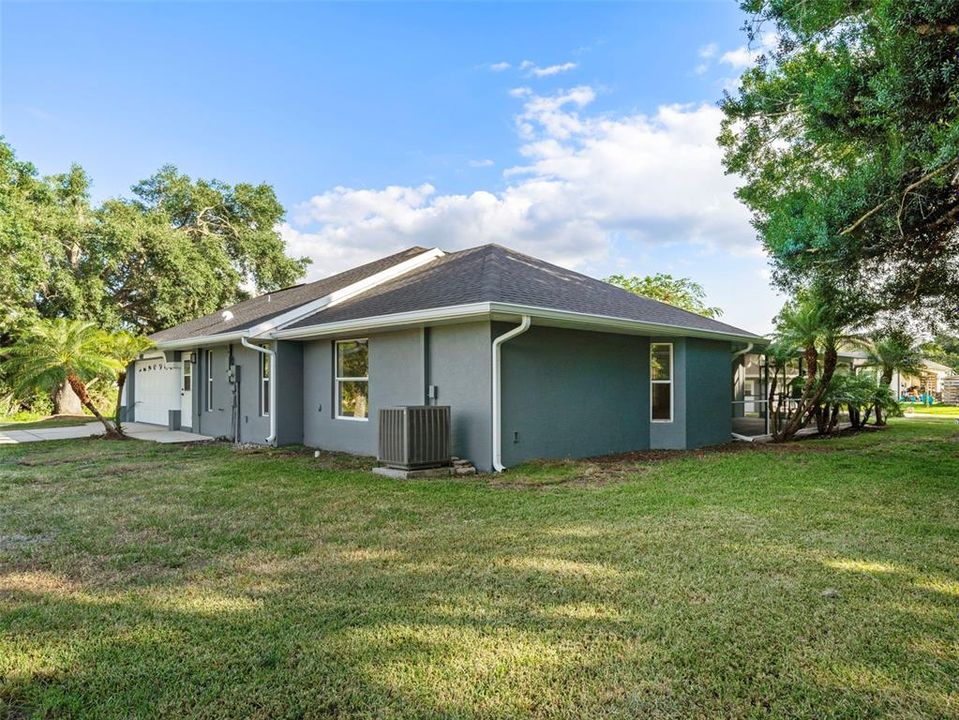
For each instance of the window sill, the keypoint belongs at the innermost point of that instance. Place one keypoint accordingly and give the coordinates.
(351, 419)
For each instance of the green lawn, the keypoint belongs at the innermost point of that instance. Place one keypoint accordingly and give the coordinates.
(55, 421)
(816, 580)
(943, 410)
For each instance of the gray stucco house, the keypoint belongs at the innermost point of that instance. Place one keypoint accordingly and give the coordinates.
(535, 361)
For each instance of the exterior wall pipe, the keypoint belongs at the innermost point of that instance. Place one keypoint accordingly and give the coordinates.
(744, 351)
(273, 409)
(497, 391)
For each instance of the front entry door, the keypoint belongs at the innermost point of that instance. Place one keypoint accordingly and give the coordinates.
(186, 396)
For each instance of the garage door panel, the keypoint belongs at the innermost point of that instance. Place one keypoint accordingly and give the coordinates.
(157, 390)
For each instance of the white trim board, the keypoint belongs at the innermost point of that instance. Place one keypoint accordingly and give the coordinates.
(509, 312)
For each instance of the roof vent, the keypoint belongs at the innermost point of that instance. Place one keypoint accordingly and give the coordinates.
(227, 315)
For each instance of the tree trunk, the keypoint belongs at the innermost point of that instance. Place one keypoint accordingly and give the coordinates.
(834, 418)
(814, 390)
(821, 413)
(121, 380)
(854, 416)
(806, 405)
(65, 401)
(886, 380)
(80, 389)
(773, 419)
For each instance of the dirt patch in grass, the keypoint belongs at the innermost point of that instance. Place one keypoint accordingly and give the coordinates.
(322, 459)
(620, 467)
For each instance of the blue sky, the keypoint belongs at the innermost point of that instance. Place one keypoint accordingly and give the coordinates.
(579, 133)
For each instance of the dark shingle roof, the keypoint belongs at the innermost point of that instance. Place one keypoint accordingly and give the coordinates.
(492, 273)
(251, 312)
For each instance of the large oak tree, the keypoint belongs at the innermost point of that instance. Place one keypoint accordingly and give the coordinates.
(175, 249)
(847, 137)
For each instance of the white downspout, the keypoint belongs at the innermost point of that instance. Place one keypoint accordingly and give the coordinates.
(744, 351)
(272, 353)
(497, 389)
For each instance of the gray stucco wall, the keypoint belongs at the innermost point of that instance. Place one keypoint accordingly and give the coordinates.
(396, 378)
(288, 377)
(569, 393)
(453, 358)
(253, 426)
(566, 393)
(672, 435)
(709, 395)
(460, 368)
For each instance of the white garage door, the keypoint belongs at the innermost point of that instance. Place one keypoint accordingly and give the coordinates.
(157, 390)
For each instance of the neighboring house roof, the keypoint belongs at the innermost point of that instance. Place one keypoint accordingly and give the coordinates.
(934, 366)
(249, 313)
(487, 276)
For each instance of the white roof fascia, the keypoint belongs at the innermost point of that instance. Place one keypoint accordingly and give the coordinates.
(198, 340)
(415, 317)
(621, 324)
(479, 310)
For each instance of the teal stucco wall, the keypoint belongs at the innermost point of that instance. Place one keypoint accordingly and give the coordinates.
(709, 392)
(570, 393)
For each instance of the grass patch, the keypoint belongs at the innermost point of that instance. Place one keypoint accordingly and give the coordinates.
(143, 580)
(54, 421)
(941, 410)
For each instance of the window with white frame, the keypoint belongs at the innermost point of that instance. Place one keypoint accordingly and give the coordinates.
(264, 384)
(187, 375)
(353, 379)
(661, 382)
(209, 380)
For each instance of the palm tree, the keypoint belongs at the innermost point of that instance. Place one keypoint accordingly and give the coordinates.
(53, 351)
(892, 350)
(125, 348)
(809, 323)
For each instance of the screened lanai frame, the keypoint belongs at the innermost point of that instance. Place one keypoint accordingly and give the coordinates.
(752, 376)
(751, 381)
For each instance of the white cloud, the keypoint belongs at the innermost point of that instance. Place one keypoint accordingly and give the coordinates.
(701, 68)
(500, 66)
(739, 58)
(743, 56)
(708, 51)
(485, 162)
(533, 70)
(589, 183)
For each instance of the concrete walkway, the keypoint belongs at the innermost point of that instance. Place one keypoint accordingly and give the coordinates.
(139, 431)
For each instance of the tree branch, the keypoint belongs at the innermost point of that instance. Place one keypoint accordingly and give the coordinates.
(909, 188)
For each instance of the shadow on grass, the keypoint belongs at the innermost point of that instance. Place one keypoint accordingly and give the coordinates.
(217, 584)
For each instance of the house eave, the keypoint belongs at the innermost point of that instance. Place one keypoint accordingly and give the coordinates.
(200, 340)
(510, 312)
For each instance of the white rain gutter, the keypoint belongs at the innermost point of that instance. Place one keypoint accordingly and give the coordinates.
(497, 389)
(272, 355)
(506, 311)
(744, 351)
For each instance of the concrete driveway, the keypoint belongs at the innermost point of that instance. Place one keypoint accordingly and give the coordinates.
(140, 431)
